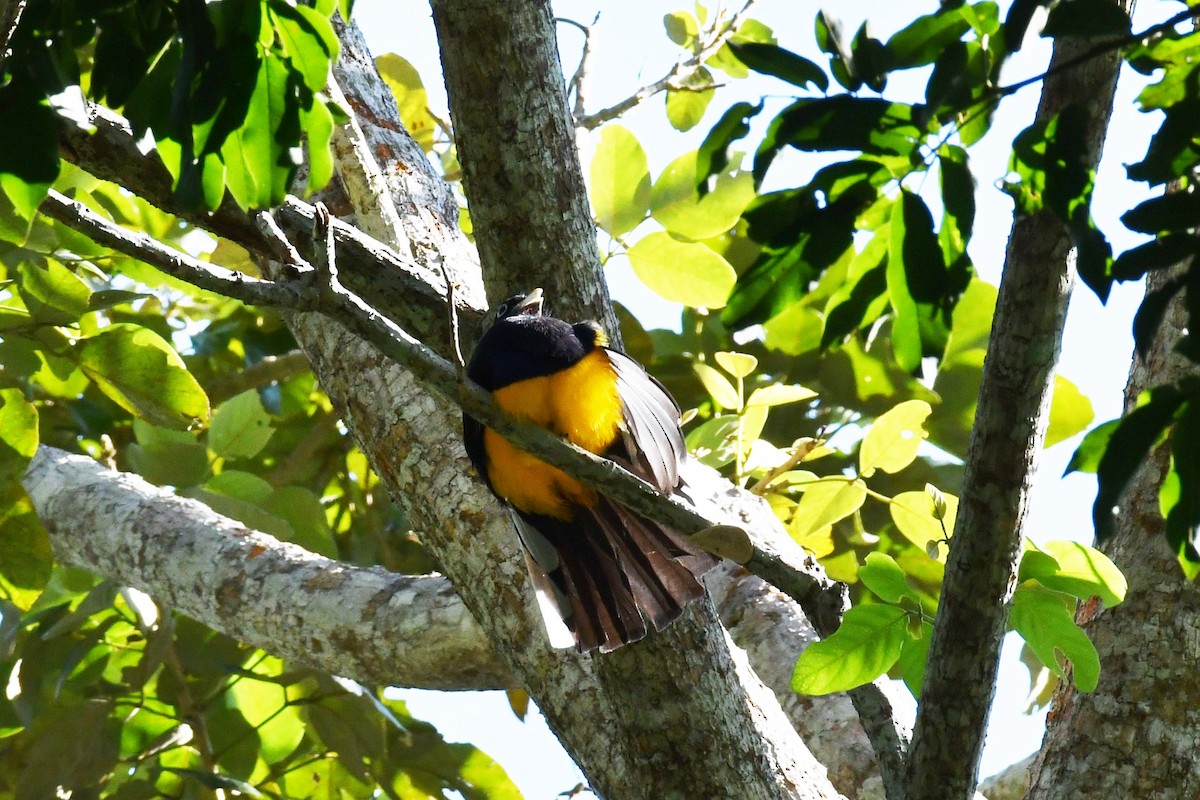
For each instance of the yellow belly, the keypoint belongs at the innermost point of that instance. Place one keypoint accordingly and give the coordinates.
(580, 404)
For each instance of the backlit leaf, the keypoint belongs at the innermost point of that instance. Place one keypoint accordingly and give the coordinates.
(825, 502)
(718, 386)
(883, 576)
(619, 184)
(866, 645)
(240, 427)
(678, 206)
(1076, 569)
(893, 439)
(683, 272)
(144, 375)
(915, 518)
(18, 435)
(1044, 619)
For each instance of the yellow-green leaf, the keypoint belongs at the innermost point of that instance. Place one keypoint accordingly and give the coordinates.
(915, 518)
(891, 443)
(739, 365)
(867, 644)
(718, 386)
(619, 181)
(677, 205)
(778, 394)
(240, 427)
(143, 374)
(411, 99)
(1070, 411)
(18, 435)
(825, 502)
(682, 272)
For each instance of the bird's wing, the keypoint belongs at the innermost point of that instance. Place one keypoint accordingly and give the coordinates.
(652, 422)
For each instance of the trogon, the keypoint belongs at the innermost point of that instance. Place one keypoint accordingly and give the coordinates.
(604, 572)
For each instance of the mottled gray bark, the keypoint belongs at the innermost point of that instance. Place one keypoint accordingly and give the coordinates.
(366, 623)
(516, 143)
(1138, 734)
(1010, 426)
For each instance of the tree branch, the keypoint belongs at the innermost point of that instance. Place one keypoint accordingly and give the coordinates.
(676, 77)
(774, 558)
(270, 369)
(374, 625)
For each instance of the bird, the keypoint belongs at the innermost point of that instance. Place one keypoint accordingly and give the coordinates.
(603, 574)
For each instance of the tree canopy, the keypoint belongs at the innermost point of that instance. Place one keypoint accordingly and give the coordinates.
(235, 267)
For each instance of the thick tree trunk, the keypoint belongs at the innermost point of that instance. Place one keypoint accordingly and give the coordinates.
(1006, 441)
(516, 142)
(1138, 734)
(645, 721)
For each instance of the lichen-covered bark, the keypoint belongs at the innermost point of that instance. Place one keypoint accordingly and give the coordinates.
(671, 702)
(516, 142)
(1006, 441)
(1138, 734)
(366, 623)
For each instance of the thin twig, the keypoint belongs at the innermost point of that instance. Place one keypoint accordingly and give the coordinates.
(676, 78)
(456, 346)
(577, 83)
(789, 570)
(799, 453)
(211, 277)
(271, 369)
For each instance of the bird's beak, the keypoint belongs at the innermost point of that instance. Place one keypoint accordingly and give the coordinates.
(532, 304)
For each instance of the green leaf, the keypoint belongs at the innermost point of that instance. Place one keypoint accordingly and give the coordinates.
(883, 576)
(713, 443)
(167, 457)
(892, 441)
(678, 206)
(1173, 211)
(318, 126)
(53, 294)
(1087, 456)
(867, 644)
(264, 706)
(1128, 445)
(1070, 412)
(302, 510)
(739, 365)
(913, 658)
(906, 327)
(794, 331)
(619, 181)
(240, 427)
(1179, 497)
(682, 28)
(1044, 620)
(28, 151)
(842, 122)
(687, 103)
(718, 386)
(770, 59)
(825, 502)
(1076, 569)
(925, 38)
(778, 394)
(144, 375)
(713, 155)
(25, 555)
(1161, 253)
(682, 272)
(915, 517)
(411, 99)
(18, 435)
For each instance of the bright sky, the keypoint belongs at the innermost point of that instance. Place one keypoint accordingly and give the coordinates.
(630, 50)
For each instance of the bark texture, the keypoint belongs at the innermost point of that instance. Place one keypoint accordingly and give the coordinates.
(1138, 734)
(674, 701)
(516, 142)
(370, 624)
(1006, 441)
